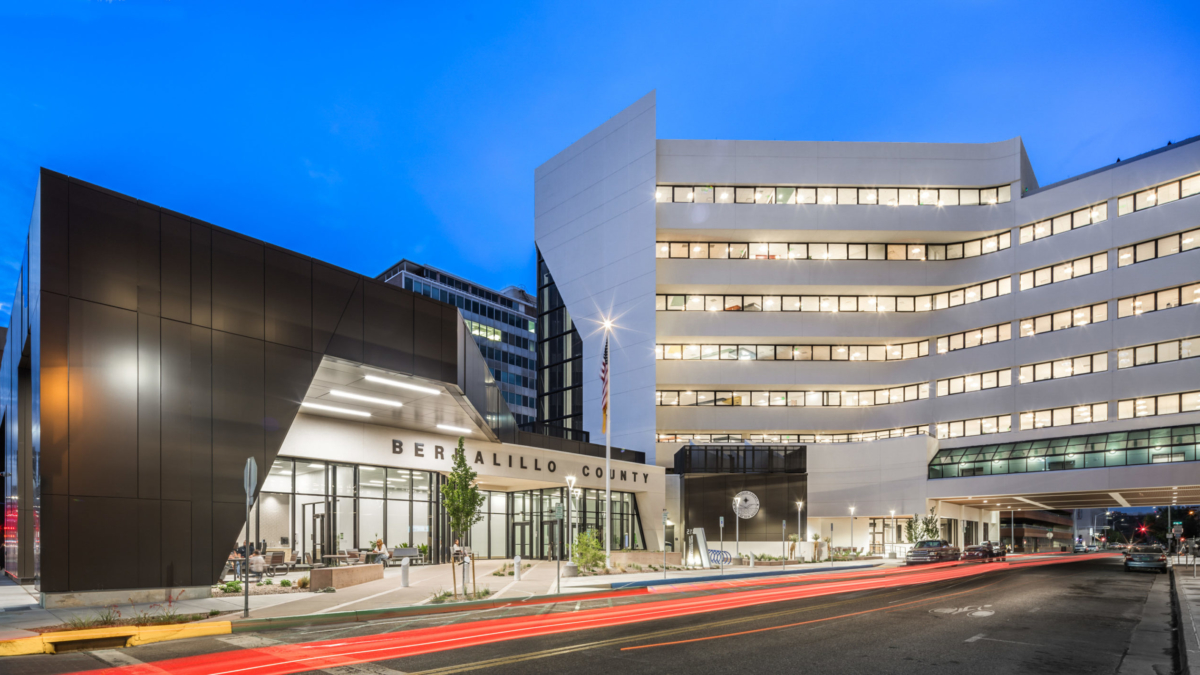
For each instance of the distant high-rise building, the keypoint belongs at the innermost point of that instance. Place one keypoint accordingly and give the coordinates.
(502, 322)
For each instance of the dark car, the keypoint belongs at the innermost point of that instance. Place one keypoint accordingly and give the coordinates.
(981, 552)
(1146, 558)
(999, 550)
(931, 551)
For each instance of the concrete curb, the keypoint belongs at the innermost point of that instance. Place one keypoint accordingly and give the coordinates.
(1187, 641)
(47, 643)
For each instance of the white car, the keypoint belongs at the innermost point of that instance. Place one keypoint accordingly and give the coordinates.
(1092, 548)
(1081, 548)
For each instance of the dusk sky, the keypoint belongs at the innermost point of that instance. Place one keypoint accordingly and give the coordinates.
(363, 133)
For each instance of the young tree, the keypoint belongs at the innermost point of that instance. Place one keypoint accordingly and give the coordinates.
(462, 500)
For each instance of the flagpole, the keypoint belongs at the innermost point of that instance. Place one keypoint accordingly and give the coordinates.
(608, 452)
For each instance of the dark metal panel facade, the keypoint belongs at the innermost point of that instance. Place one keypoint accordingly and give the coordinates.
(707, 498)
(165, 351)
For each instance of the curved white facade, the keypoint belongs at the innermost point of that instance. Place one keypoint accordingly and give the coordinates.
(653, 215)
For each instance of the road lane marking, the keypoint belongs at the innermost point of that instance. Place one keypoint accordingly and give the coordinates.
(115, 658)
(249, 641)
(979, 637)
(362, 669)
(799, 623)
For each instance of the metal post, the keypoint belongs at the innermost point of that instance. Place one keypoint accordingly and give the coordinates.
(558, 556)
(608, 460)
(737, 533)
(783, 543)
(246, 564)
(723, 554)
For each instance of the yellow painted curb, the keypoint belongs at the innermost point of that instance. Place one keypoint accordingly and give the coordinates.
(135, 635)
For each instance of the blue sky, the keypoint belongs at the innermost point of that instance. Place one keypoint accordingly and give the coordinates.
(362, 133)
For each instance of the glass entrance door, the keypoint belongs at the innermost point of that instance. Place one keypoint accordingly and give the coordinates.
(551, 546)
(314, 533)
(522, 540)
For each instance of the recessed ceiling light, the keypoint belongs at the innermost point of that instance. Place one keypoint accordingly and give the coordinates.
(366, 399)
(331, 408)
(402, 385)
(447, 427)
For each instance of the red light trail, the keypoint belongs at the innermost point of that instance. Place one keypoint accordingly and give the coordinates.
(294, 658)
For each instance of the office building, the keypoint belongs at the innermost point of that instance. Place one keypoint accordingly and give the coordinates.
(941, 332)
(150, 355)
(502, 322)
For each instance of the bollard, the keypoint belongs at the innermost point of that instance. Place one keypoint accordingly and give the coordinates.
(516, 568)
(404, 572)
(751, 561)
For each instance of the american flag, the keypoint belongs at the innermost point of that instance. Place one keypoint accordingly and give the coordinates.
(604, 385)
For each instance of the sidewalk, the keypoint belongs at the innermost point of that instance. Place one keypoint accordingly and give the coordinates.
(20, 611)
(1187, 589)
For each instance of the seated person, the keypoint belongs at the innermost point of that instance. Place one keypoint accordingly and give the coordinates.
(380, 552)
(258, 565)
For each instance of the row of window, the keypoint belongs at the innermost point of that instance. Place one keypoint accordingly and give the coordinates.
(974, 338)
(975, 427)
(834, 251)
(818, 437)
(1064, 223)
(1056, 370)
(833, 303)
(1162, 352)
(707, 194)
(1167, 404)
(1158, 248)
(1152, 302)
(1068, 318)
(911, 350)
(808, 399)
(1061, 417)
(1064, 271)
(1160, 194)
(964, 384)
(474, 306)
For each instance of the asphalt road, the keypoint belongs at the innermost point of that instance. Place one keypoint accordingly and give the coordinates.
(1074, 617)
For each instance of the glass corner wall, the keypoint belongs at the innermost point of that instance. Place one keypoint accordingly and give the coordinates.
(559, 362)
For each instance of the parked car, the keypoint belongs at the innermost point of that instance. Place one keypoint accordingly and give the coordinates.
(931, 551)
(1092, 548)
(999, 550)
(1146, 558)
(981, 552)
(1081, 548)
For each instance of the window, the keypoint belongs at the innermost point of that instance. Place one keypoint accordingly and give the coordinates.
(1064, 223)
(834, 303)
(975, 427)
(974, 338)
(1162, 352)
(897, 352)
(1068, 318)
(1158, 248)
(965, 384)
(1162, 194)
(834, 251)
(1064, 271)
(1068, 367)
(941, 197)
(812, 399)
(1151, 302)
(1166, 404)
(810, 437)
(1058, 417)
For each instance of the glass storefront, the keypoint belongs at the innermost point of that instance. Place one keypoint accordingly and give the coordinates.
(318, 508)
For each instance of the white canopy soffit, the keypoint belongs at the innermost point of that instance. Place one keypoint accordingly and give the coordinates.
(351, 391)
(1107, 499)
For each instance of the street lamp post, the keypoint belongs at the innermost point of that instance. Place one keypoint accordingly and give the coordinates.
(799, 529)
(893, 529)
(607, 403)
(570, 493)
(851, 529)
(737, 537)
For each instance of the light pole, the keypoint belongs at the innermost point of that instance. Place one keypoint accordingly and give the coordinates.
(800, 529)
(570, 493)
(606, 376)
(893, 530)
(737, 539)
(851, 529)
(1106, 514)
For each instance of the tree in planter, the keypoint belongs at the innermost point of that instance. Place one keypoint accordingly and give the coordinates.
(462, 500)
(922, 527)
(587, 553)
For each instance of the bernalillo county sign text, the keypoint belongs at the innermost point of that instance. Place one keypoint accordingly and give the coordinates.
(517, 462)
